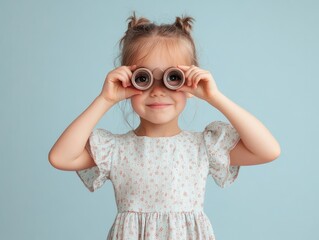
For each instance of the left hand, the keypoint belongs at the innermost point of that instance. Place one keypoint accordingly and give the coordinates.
(198, 82)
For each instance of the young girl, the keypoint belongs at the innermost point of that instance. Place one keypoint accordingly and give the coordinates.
(159, 171)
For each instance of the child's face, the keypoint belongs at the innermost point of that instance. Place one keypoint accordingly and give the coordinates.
(158, 104)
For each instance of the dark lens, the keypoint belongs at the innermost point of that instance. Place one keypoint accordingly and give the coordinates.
(142, 79)
(174, 78)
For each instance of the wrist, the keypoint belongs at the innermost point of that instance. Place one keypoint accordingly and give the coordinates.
(105, 101)
(215, 99)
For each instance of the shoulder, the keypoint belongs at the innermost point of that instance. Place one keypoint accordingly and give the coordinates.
(220, 129)
(217, 125)
(101, 135)
(219, 134)
(214, 128)
(106, 133)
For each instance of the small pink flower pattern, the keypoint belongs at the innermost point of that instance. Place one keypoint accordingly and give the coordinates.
(160, 182)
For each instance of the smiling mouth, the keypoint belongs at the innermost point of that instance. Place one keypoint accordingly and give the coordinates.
(159, 105)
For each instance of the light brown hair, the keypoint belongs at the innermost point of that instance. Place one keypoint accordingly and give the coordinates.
(142, 35)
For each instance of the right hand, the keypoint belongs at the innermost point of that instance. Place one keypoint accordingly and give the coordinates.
(117, 85)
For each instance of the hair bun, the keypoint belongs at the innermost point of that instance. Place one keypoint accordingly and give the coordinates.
(184, 23)
(134, 21)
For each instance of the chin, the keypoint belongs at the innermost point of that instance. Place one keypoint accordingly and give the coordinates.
(159, 121)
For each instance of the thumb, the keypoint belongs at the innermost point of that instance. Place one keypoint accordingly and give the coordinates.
(185, 88)
(130, 91)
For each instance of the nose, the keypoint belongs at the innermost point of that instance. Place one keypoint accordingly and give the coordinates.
(158, 88)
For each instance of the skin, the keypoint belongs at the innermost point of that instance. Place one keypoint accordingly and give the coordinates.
(162, 120)
(256, 144)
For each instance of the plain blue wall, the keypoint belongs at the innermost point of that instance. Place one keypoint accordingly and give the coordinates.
(54, 57)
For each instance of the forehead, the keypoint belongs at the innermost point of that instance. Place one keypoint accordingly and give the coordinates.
(164, 54)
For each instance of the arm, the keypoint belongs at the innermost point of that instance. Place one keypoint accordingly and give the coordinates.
(256, 145)
(69, 152)
(71, 144)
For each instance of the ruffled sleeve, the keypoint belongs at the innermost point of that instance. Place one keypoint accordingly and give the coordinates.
(100, 145)
(221, 137)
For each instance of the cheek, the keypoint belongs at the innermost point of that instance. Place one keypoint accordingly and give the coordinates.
(181, 99)
(136, 102)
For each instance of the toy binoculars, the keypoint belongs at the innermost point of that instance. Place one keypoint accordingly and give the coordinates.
(172, 77)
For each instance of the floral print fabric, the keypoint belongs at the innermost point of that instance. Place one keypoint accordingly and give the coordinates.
(160, 181)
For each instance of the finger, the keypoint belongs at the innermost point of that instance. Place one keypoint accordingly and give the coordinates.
(118, 78)
(197, 79)
(183, 67)
(190, 73)
(128, 74)
(132, 67)
(123, 77)
(114, 77)
(202, 75)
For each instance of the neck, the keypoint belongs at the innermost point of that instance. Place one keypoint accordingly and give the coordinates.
(157, 130)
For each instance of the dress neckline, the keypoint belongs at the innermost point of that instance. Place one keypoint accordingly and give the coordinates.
(146, 137)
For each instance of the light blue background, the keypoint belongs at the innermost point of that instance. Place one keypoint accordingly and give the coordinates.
(54, 58)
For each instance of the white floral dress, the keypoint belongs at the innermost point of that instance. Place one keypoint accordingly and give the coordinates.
(160, 182)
